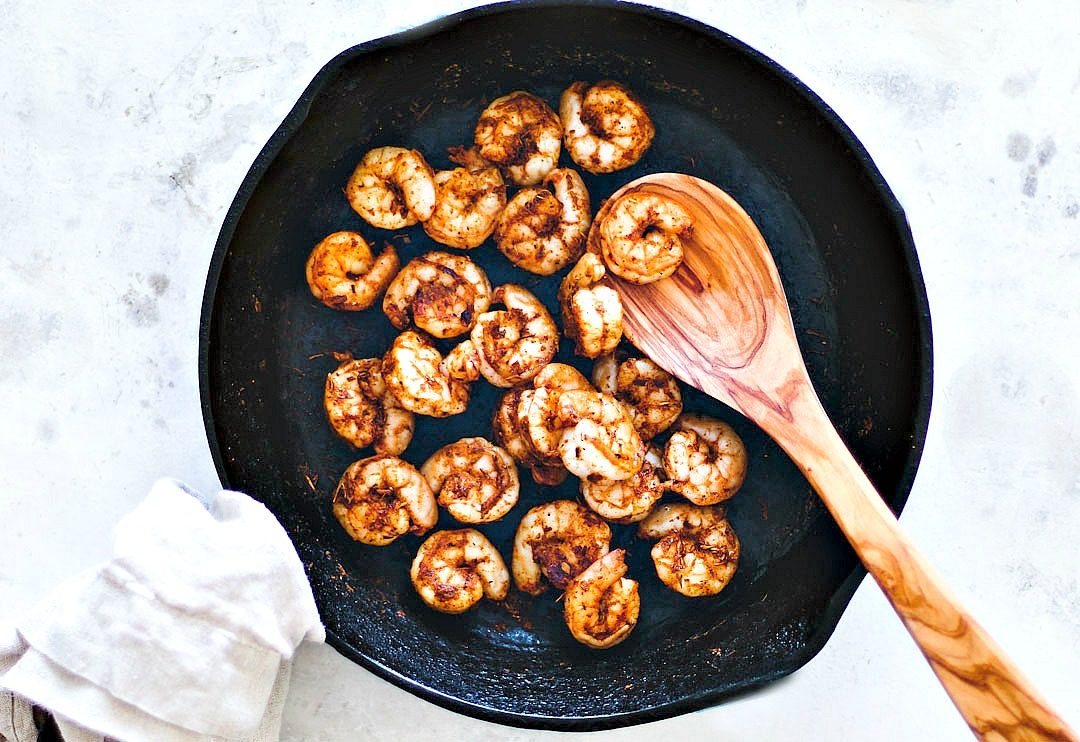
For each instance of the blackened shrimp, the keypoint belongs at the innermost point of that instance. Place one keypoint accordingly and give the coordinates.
(556, 542)
(598, 440)
(705, 459)
(605, 127)
(542, 230)
(697, 553)
(627, 500)
(361, 409)
(535, 420)
(413, 372)
(511, 345)
(641, 236)
(591, 313)
(382, 497)
(522, 407)
(453, 570)
(468, 201)
(343, 274)
(508, 433)
(601, 604)
(560, 376)
(392, 187)
(443, 294)
(651, 393)
(521, 134)
(475, 480)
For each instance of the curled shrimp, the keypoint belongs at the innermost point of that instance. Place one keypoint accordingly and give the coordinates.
(560, 376)
(511, 345)
(705, 459)
(535, 420)
(543, 229)
(382, 497)
(413, 372)
(475, 480)
(508, 434)
(650, 392)
(444, 294)
(343, 274)
(520, 133)
(591, 314)
(602, 604)
(468, 201)
(462, 363)
(697, 553)
(511, 422)
(599, 440)
(361, 409)
(556, 542)
(641, 236)
(605, 126)
(453, 570)
(392, 187)
(627, 500)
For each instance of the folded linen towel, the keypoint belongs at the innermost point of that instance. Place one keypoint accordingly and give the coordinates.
(185, 633)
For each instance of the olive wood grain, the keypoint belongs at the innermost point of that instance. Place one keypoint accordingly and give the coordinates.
(721, 323)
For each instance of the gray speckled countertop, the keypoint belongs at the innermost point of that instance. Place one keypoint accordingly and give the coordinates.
(126, 127)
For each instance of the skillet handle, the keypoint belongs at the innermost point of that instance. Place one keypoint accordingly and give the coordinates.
(995, 699)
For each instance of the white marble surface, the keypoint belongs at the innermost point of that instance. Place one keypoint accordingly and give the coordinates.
(126, 127)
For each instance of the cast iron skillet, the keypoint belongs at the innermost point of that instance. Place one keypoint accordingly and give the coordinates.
(723, 112)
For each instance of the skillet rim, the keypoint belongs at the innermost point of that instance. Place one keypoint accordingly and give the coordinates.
(840, 598)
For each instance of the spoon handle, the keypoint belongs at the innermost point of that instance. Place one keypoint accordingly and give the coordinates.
(996, 700)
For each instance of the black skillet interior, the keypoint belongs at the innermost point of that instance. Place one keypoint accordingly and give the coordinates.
(723, 113)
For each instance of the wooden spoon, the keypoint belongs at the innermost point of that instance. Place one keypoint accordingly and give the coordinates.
(721, 323)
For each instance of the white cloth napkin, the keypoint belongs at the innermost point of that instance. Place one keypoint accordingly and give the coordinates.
(186, 633)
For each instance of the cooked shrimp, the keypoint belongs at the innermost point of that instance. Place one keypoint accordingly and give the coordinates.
(651, 393)
(602, 606)
(507, 346)
(444, 294)
(641, 237)
(705, 459)
(468, 201)
(599, 440)
(627, 500)
(698, 551)
(605, 126)
(462, 362)
(475, 480)
(520, 133)
(560, 376)
(509, 435)
(591, 314)
(538, 416)
(361, 409)
(381, 497)
(343, 274)
(392, 187)
(536, 419)
(556, 541)
(543, 229)
(514, 344)
(454, 569)
(413, 372)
